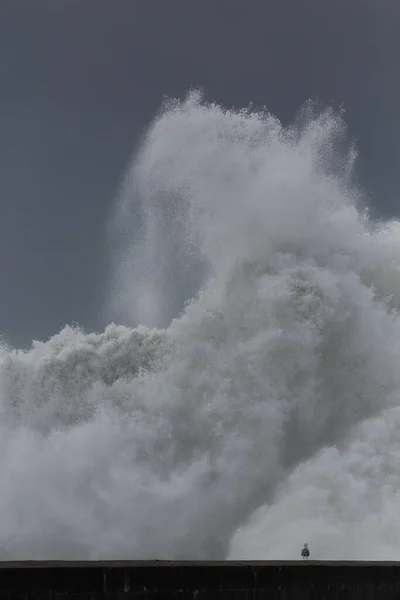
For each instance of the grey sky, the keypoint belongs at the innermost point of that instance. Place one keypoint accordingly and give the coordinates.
(80, 80)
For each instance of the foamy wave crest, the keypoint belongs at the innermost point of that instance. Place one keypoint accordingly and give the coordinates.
(265, 412)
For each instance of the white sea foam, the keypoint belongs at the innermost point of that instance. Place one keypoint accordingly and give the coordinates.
(267, 413)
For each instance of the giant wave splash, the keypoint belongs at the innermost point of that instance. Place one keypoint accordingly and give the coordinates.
(257, 406)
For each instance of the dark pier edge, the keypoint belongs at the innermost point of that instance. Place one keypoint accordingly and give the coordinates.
(255, 580)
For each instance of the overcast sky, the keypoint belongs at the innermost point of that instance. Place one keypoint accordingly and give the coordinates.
(81, 79)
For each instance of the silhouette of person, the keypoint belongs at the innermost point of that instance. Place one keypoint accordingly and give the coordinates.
(305, 552)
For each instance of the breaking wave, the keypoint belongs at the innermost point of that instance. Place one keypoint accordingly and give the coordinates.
(258, 404)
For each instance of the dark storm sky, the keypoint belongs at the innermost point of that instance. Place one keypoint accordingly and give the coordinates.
(81, 79)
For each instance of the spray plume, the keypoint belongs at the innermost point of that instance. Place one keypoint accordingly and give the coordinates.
(257, 405)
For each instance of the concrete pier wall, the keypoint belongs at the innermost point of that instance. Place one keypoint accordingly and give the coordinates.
(193, 580)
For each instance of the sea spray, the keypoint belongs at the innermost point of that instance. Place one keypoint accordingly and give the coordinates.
(264, 410)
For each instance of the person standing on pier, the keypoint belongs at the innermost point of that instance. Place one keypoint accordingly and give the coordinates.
(305, 552)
